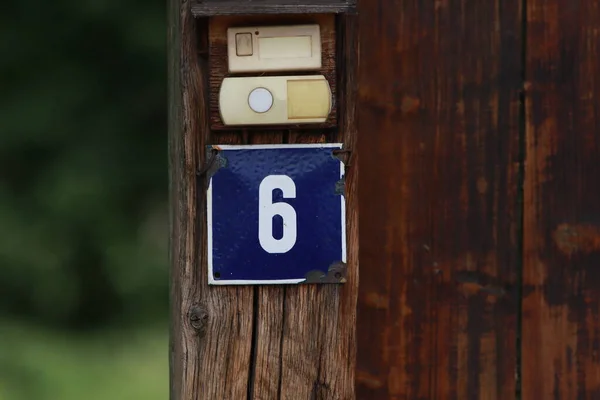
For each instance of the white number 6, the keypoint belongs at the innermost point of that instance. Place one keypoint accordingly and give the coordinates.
(267, 210)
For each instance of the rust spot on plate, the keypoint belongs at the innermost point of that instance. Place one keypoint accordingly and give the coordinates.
(580, 238)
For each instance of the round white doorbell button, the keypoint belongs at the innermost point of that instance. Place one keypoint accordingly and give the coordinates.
(260, 100)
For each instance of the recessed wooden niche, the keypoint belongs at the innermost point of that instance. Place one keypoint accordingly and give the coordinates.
(218, 63)
(204, 8)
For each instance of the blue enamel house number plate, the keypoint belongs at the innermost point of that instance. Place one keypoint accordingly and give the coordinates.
(276, 215)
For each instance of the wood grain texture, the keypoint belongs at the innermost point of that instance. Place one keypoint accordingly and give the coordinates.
(249, 7)
(211, 329)
(219, 67)
(561, 318)
(439, 151)
(305, 335)
(179, 190)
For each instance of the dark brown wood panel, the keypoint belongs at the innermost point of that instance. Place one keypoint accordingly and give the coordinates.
(439, 154)
(219, 67)
(561, 318)
(248, 7)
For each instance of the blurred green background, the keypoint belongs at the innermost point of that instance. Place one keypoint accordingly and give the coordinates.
(83, 192)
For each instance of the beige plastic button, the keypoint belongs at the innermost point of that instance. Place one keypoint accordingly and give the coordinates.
(243, 44)
(274, 48)
(274, 100)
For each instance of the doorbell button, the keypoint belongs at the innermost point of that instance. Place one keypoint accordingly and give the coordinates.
(260, 100)
(275, 100)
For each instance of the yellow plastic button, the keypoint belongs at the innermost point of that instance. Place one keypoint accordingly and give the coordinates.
(308, 99)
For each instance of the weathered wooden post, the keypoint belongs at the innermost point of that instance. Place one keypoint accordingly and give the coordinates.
(480, 255)
(264, 254)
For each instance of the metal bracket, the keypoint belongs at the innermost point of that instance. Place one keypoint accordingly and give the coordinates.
(344, 155)
(335, 274)
(214, 161)
(340, 186)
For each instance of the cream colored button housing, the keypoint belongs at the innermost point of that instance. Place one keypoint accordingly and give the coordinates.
(274, 100)
(274, 48)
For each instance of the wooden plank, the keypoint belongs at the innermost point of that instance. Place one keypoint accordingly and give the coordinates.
(249, 7)
(180, 190)
(219, 67)
(269, 315)
(305, 338)
(211, 328)
(561, 319)
(439, 154)
(285, 320)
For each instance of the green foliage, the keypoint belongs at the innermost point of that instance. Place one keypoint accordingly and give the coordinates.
(83, 169)
(54, 366)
